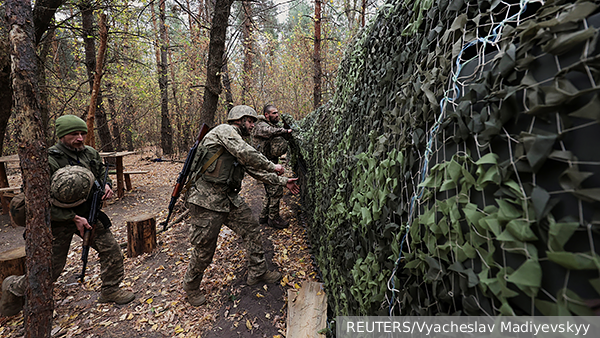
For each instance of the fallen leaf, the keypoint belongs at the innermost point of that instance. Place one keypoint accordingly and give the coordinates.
(258, 295)
(248, 325)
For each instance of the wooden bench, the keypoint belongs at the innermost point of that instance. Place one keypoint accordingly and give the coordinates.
(127, 176)
(6, 194)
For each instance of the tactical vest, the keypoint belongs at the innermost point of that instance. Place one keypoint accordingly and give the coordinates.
(224, 170)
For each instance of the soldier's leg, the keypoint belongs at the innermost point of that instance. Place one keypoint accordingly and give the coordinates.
(204, 232)
(14, 287)
(110, 255)
(242, 222)
(275, 195)
(62, 234)
(111, 267)
(264, 213)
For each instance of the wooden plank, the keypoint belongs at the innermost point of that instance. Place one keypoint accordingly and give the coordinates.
(10, 188)
(307, 311)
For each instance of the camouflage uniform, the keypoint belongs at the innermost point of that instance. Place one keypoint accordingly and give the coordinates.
(264, 132)
(63, 227)
(213, 204)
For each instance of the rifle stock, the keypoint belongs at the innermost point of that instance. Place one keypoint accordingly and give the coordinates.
(185, 172)
(94, 210)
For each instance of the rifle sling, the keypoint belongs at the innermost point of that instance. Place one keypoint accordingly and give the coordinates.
(211, 160)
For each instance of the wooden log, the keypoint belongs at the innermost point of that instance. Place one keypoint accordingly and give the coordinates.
(307, 311)
(12, 262)
(141, 235)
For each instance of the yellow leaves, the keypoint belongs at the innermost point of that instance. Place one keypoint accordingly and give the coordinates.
(266, 287)
(248, 325)
(285, 280)
(149, 301)
(296, 286)
(268, 315)
(178, 329)
(160, 268)
(259, 295)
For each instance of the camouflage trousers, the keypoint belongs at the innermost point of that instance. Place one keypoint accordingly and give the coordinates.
(109, 252)
(273, 194)
(204, 232)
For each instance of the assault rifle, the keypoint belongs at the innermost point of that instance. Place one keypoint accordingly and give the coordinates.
(96, 205)
(185, 172)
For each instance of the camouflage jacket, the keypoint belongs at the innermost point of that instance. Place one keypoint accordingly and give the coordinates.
(215, 196)
(60, 156)
(263, 132)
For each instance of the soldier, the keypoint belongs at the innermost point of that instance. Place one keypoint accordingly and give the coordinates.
(222, 159)
(74, 167)
(269, 140)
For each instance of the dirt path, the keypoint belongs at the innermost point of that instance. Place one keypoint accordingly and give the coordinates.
(234, 309)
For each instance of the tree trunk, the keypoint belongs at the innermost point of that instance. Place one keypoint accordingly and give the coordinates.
(318, 73)
(166, 132)
(116, 130)
(5, 89)
(227, 85)
(90, 139)
(247, 42)
(91, 64)
(141, 235)
(46, 44)
(216, 49)
(34, 167)
(363, 10)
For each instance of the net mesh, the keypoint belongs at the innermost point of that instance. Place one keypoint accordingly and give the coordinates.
(453, 172)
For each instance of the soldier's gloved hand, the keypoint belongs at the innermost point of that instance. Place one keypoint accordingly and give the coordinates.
(108, 193)
(81, 223)
(279, 169)
(292, 186)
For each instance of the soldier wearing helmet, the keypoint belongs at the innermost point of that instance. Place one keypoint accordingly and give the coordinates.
(221, 161)
(269, 140)
(74, 167)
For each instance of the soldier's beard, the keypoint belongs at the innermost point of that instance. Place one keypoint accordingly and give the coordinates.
(81, 148)
(244, 130)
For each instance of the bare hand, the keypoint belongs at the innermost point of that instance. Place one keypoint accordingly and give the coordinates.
(292, 186)
(81, 224)
(279, 169)
(108, 193)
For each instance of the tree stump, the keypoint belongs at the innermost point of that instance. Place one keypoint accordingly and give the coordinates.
(141, 235)
(12, 262)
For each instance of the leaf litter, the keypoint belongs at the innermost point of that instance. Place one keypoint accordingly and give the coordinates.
(160, 309)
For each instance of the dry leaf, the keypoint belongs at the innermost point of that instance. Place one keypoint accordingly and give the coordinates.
(248, 325)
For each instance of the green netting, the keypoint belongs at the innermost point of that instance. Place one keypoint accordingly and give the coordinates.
(456, 171)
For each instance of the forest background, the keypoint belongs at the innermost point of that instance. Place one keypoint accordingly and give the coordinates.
(154, 70)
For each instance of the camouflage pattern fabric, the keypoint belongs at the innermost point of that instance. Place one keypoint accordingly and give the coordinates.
(109, 252)
(273, 195)
(60, 156)
(264, 133)
(70, 186)
(214, 196)
(204, 232)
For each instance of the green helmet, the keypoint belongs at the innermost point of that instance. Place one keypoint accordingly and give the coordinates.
(238, 112)
(70, 186)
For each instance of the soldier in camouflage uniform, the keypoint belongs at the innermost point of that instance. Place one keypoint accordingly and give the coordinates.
(269, 140)
(221, 161)
(74, 167)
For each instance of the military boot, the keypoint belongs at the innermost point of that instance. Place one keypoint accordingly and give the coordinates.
(268, 277)
(10, 304)
(278, 223)
(194, 295)
(115, 295)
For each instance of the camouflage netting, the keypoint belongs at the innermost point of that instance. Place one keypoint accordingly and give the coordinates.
(456, 170)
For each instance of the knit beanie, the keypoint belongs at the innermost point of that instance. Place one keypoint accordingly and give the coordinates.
(69, 123)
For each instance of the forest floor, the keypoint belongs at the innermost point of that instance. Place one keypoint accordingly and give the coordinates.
(160, 309)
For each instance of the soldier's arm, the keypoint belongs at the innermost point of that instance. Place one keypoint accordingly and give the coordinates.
(267, 177)
(264, 130)
(245, 153)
